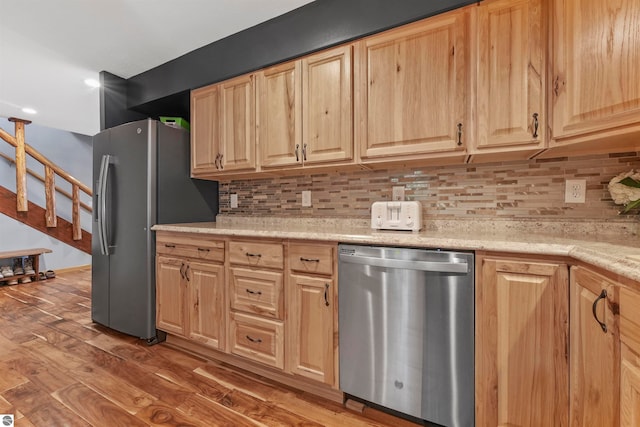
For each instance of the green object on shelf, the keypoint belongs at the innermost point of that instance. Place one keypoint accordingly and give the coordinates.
(178, 122)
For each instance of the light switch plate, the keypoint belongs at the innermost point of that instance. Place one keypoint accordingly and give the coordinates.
(306, 199)
(397, 193)
(233, 201)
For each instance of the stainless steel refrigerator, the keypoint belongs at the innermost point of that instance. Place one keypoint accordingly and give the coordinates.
(142, 177)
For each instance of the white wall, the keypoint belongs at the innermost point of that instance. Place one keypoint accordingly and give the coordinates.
(73, 153)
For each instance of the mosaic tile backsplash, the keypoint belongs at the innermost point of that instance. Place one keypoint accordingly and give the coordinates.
(532, 189)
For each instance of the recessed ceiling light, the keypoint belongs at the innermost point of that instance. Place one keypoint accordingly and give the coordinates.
(29, 110)
(92, 82)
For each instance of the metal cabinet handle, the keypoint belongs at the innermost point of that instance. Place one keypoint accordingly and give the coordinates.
(204, 249)
(309, 259)
(216, 162)
(326, 294)
(297, 156)
(253, 255)
(166, 245)
(256, 340)
(602, 295)
(182, 270)
(186, 273)
(459, 134)
(221, 164)
(249, 291)
(535, 125)
(304, 152)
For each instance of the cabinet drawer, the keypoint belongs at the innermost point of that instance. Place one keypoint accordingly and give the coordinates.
(190, 247)
(257, 292)
(630, 318)
(256, 254)
(310, 258)
(257, 339)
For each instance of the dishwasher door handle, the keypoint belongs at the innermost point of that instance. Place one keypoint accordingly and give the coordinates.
(439, 267)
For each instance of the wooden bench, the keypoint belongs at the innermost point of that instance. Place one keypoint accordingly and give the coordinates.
(34, 254)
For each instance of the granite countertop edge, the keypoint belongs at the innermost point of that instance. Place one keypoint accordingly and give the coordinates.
(606, 253)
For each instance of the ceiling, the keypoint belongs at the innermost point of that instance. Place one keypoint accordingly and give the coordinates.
(48, 48)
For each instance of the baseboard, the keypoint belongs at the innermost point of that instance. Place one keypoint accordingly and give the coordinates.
(76, 268)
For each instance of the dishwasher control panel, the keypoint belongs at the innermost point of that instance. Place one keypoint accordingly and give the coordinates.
(396, 216)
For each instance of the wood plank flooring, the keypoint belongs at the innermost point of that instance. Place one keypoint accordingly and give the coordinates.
(58, 368)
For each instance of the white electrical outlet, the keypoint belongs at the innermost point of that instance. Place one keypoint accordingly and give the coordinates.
(575, 190)
(306, 199)
(397, 193)
(233, 201)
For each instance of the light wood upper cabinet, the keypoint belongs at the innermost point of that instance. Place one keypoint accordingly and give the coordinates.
(413, 89)
(280, 115)
(205, 135)
(594, 352)
(327, 97)
(521, 343)
(305, 110)
(511, 68)
(237, 124)
(595, 86)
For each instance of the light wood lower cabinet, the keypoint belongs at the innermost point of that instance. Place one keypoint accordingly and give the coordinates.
(313, 312)
(521, 342)
(190, 290)
(593, 348)
(630, 360)
(170, 295)
(257, 339)
(311, 327)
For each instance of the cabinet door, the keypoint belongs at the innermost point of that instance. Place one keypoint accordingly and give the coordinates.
(206, 295)
(327, 121)
(596, 58)
(237, 121)
(594, 376)
(170, 295)
(204, 130)
(413, 88)
(629, 389)
(511, 69)
(311, 330)
(280, 115)
(521, 343)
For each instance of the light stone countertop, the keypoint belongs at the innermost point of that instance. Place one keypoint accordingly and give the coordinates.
(617, 254)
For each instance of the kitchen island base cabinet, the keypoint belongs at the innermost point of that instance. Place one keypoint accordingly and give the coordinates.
(521, 342)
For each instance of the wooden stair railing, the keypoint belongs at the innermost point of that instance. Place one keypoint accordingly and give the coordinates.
(50, 171)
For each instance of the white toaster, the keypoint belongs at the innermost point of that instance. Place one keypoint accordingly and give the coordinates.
(396, 216)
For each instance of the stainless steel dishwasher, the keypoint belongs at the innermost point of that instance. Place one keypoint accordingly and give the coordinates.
(406, 321)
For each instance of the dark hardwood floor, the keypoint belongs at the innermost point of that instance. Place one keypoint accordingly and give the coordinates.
(58, 368)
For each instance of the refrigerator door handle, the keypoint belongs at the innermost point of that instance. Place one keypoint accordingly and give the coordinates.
(102, 204)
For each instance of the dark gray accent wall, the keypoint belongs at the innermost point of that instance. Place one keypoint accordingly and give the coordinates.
(315, 26)
(113, 102)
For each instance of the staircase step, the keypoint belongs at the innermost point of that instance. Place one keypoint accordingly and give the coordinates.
(35, 218)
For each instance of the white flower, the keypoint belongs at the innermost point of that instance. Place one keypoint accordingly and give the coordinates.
(623, 194)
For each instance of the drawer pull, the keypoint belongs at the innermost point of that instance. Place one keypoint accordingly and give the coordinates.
(255, 340)
(249, 291)
(253, 255)
(166, 245)
(204, 249)
(309, 259)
